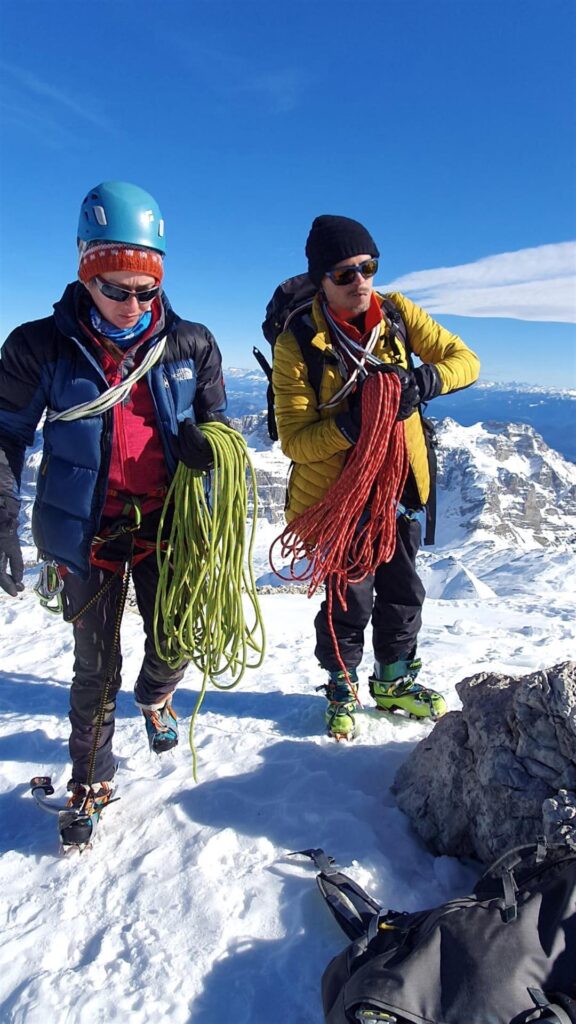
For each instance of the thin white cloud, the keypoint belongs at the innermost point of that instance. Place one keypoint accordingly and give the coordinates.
(228, 75)
(38, 88)
(531, 284)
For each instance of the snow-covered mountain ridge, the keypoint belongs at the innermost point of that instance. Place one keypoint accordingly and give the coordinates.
(551, 411)
(502, 480)
(237, 373)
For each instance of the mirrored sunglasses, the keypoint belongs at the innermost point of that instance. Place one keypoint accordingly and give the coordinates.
(112, 291)
(346, 275)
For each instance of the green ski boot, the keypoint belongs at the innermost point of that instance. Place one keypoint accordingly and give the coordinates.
(394, 688)
(340, 714)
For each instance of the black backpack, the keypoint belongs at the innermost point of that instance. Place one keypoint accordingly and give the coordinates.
(506, 954)
(290, 306)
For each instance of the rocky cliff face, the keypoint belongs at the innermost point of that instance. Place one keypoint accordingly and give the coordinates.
(503, 480)
(270, 465)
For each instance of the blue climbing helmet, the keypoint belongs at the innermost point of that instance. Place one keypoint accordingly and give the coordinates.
(116, 211)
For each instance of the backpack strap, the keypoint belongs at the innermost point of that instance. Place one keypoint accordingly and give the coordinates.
(352, 907)
(399, 332)
(398, 329)
(302, 326)
(267, 369)
(262, 362)
(561, 1011)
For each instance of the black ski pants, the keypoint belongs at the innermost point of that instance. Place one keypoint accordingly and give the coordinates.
(393, 597)
(94, 635)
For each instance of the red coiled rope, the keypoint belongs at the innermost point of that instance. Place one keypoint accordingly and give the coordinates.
(352, 530)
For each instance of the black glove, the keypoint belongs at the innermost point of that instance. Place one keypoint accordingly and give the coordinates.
(10, 552)
(409, 395)
(350, 423)
(193, 447)
(419, 385)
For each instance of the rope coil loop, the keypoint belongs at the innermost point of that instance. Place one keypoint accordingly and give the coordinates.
(352, 530)
(206, 578)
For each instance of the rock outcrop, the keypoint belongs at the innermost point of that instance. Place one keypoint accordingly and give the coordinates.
(499, 772)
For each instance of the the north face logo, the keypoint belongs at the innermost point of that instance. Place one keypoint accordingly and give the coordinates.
(182, 373)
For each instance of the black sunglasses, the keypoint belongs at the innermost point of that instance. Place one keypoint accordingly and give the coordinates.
(112, 291)
(346, 275)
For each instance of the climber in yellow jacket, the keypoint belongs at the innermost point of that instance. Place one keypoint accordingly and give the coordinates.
(318, 424)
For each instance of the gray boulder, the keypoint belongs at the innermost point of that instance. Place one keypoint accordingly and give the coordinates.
(499, 772)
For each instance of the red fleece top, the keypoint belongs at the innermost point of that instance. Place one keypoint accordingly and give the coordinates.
(137, 464)
(372, 317)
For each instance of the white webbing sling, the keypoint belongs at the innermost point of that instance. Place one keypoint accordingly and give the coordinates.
(114, 395)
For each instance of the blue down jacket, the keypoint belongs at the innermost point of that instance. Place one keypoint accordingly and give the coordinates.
(52, 363)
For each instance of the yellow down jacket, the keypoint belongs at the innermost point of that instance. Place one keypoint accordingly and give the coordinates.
(309, 436)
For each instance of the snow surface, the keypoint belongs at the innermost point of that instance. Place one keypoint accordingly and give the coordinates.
(189, 909)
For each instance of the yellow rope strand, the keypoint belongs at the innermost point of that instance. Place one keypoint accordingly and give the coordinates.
(205, 568)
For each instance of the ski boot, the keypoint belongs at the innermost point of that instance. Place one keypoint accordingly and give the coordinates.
(161, 726)
(77, 822)
(394, 688)
(340, 714)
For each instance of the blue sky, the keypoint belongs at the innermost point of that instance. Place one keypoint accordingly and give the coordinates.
(446, 126)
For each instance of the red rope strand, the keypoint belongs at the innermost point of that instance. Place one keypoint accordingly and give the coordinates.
(352, 530)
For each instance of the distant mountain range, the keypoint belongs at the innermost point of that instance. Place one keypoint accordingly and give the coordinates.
(550, 411)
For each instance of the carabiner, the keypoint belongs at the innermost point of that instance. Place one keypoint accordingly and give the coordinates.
(49, 588)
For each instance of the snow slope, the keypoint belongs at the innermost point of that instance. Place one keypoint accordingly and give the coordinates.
(188, 908)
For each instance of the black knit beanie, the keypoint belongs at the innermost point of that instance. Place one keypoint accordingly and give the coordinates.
(332, 239)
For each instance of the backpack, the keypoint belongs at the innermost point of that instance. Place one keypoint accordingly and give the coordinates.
(291, 306)
(505, 954)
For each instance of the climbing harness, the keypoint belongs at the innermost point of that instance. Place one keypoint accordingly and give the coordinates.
(335, 538)
(50, 583)
(205, 569)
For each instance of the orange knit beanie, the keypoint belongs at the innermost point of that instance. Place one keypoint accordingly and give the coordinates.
(102, 257)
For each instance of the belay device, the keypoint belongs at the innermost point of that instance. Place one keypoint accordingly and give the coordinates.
(505, 954)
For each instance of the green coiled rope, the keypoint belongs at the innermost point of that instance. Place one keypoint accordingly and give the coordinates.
(205, 569)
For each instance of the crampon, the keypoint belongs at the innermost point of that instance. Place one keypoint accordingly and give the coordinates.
(79, 815)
